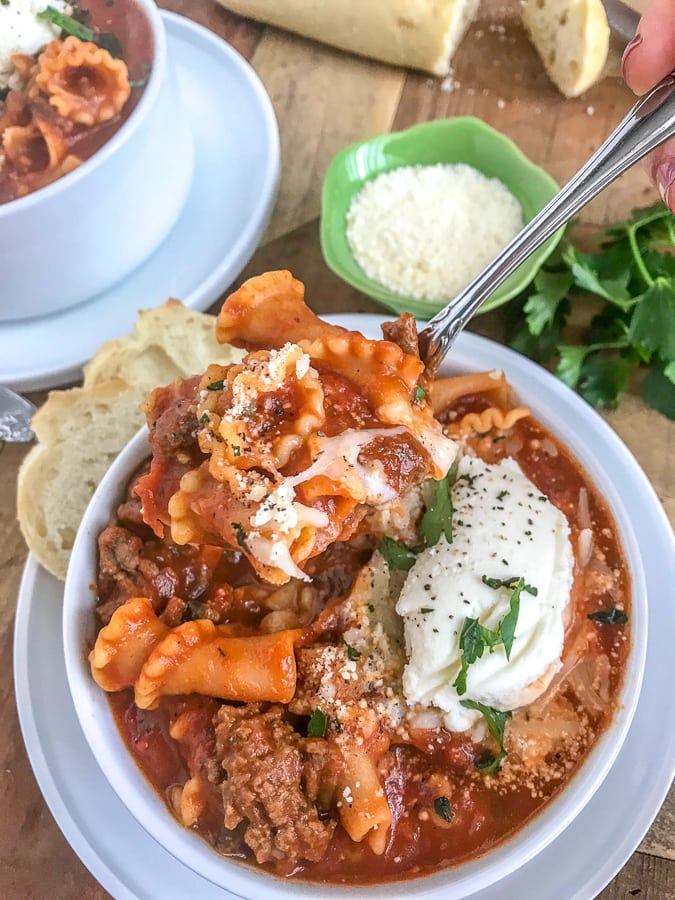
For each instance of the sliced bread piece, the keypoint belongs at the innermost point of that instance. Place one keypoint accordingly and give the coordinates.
(420, 34)
(572, 39)
(81, 431)
(168, 342)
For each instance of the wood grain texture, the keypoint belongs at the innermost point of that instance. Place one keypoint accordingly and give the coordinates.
(324, 99)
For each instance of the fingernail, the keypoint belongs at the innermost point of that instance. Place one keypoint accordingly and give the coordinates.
(665, 180)
(637, 40)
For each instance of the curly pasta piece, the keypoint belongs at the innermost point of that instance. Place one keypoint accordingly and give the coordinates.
(364, 810)
(82, 81)
(446, 391)
(36, 147)
(482, 422)
(269, 311)
(197, 658)
(123, 645)
(297, 443)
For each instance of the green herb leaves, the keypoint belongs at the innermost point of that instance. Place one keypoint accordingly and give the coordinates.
(437, 519)
(352, 653)
(397, 556)
(612, 616)
(66, 23)
(474, 637)
(443, 808)
(103, 39)
(496, 722)
(633, 280)
(318, 722)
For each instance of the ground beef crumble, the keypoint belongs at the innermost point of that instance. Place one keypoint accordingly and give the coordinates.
(271, 779)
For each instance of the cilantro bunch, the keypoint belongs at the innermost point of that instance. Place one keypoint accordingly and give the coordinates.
(633, 277)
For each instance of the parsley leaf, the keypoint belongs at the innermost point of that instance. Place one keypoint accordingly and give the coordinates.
(318, 722)
(240, 533)
(612, 616)
(496, 722)
(472, 645)
(352, 653)
(66, 23)
(396, 555)
(541, 308)
(602, 380)
(443, 808)
(658, 389)
(420, 394)
(437, 519)
(630, 283)
(653, 322)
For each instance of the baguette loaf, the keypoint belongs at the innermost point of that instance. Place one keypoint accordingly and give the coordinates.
(572, 38)
(420, 34)
(80, 431)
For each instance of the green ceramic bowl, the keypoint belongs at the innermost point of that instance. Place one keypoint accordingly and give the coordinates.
(460, 140)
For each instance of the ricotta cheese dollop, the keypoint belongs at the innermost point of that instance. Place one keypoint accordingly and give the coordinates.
(504, 528)
(22, 32)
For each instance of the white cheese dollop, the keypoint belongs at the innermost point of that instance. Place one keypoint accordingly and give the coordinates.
(22, 32)
(503, 527)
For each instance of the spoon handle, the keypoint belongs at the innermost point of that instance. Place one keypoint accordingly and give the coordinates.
(650, 122)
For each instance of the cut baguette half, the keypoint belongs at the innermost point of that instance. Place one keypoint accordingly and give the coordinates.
(419, 34)
(572, 39)
(80, 431)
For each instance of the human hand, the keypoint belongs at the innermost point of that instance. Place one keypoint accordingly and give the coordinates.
(648, 58)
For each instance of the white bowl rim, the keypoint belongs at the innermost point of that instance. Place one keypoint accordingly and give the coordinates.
(127, 129)
(451, 883)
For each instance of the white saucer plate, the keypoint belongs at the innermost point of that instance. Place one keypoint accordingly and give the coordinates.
(231, 199)
(129, 863)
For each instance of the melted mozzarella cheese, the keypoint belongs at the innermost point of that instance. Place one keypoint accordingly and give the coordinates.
(503, 528)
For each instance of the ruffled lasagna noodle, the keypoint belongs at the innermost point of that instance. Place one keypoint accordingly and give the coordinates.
(248, 620)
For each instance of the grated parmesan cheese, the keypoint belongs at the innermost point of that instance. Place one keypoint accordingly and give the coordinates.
(427, 231)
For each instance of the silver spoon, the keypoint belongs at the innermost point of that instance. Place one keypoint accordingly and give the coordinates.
(650, 122)
(15, 415)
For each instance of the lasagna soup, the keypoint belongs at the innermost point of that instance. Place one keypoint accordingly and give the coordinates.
(356, 625)
(70, 76)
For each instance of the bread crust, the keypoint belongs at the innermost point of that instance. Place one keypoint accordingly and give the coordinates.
(420, 34)
(80, 431)
(572, 39)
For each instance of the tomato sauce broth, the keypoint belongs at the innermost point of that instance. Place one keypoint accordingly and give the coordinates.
(484, 813)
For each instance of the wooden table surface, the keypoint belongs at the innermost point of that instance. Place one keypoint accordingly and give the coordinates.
(325, 99)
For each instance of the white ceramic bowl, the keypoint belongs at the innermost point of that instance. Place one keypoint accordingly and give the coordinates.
(605, 459)
(73, 239)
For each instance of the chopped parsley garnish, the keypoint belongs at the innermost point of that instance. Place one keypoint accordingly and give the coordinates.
(474, 637)
(318, 722)
(443, 808)
(215, 385)
(240, 533)
(105, 40)
(612, 616)
(437, 519)
(236, 450)
(496, 721)
(3, 93)
(426, 609)
(502, 494)
(204, 418)
(420, 394)
(488, 762)
(67, 24)
(352, 652)
(396, 555)
(632, 280)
